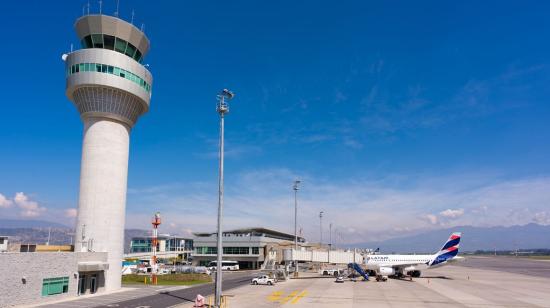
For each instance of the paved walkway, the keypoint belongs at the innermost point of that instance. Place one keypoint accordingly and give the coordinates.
(125, 294)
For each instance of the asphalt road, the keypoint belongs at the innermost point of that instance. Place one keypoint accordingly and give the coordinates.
(166, 299)
(514, 265)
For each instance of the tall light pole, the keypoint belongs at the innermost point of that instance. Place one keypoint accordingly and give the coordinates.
(222, 109)
(295, 187)
(321, 228)
(330, 236)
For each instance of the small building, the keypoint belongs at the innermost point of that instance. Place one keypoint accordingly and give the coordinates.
(32, 277)
(3, 243)
(251, 247)
(168, 245)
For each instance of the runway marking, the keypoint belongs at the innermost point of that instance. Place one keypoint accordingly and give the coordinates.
(297, 298)
(289, 297)
(275, 296)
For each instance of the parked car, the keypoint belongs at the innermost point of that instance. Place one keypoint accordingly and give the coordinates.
(340, 279)
(263, 280)
(330, 272)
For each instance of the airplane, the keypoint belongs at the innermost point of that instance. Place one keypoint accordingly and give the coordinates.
(400, 265)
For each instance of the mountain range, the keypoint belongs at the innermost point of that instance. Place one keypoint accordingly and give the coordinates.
(530, 236)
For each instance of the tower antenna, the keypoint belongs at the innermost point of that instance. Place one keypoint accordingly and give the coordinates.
(88, 7)
(117, 4)
(142, 27)
(100, 6)
(132, 21)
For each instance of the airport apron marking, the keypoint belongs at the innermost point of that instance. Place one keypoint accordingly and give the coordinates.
(293, 297)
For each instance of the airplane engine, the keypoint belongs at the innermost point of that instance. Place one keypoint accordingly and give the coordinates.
(409, 269)
(387, 271)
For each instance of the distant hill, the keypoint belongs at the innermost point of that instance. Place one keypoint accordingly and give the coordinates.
(528, 236)
(14, 223)
(58, 236)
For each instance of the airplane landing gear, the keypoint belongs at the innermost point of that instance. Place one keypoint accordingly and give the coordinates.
(381, 278)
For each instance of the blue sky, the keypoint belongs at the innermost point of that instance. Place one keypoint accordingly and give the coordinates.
(399, 117)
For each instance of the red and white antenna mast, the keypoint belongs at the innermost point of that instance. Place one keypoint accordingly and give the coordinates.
(154, 242)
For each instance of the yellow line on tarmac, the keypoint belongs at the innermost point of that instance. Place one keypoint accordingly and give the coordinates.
(295, 300)
(289, 297)
(275, 296)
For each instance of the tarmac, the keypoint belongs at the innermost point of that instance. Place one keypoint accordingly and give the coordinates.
(465, 285)
(476, 282)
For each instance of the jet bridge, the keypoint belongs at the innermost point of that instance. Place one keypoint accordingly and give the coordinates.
(323, 256)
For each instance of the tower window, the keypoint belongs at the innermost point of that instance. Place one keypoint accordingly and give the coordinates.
(87, 42)
(130, 50)
(108, 69)
(120, 45)
(112, 43)
(108, 42)
(97, 40)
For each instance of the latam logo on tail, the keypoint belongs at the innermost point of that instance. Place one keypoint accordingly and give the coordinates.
(448, 251)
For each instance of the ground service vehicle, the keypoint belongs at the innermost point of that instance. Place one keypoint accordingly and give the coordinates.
(263, 280)
(330, 272)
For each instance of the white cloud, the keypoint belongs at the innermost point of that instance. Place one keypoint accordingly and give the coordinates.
(28, 208)
(452, 214)
(360, 210)
(432, 219)
(542, 218)
(5, 202)
(71, 213)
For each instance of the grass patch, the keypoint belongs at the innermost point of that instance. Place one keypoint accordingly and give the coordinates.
(169, 280)
(539, 257)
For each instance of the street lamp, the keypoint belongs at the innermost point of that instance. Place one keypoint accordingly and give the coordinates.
(222, 108)
(321, 229)
(330, 236)
(295, 187)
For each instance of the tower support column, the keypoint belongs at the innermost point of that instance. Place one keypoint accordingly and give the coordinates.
(102, 200)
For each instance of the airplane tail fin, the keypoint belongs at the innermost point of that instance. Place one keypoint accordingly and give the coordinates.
(448, 251)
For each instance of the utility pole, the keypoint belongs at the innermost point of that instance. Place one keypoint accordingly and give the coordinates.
(222, 109)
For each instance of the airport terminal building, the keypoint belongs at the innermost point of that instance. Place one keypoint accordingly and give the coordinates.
(250, 246)
(180, 247)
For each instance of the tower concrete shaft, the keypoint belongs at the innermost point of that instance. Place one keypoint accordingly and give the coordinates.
(110, 88)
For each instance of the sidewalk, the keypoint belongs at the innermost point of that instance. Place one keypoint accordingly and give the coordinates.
(93, 300)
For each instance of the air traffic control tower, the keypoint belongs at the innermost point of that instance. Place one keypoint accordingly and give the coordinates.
(110, 88)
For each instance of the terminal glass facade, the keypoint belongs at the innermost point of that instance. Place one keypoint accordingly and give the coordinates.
(108, 69)
(227, 250)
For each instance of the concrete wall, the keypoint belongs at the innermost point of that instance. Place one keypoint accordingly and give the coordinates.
(102, 200)
(34, 267)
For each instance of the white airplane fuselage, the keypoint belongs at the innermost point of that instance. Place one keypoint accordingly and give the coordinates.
(412, 265)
